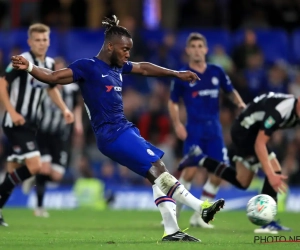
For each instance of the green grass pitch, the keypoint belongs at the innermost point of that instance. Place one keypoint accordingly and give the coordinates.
(82, 229)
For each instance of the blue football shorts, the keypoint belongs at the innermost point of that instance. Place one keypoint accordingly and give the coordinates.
(132, 151)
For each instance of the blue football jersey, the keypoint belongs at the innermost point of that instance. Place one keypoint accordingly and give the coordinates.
(201, 98)
(101, 88)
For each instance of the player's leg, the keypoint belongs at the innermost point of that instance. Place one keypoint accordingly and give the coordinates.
(144, 159)
(172, 189)
(169, 185)
(25, 151)
(53, 171)
(218, 168)
(210, 188)
(216, 149)
(45, 170)
(185, 179)
(137, 156)
(188, 173)
(40, 181)
(17, 176)
(167, 207)
(55, 175)
(245, 168)
(244, 158)
(11, 166)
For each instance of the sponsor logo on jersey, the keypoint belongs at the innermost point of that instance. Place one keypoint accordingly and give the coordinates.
(269, 122)
(109, 88)
(213, 93)
(116, 88)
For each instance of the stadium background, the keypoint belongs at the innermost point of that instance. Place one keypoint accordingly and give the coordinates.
(256, 42)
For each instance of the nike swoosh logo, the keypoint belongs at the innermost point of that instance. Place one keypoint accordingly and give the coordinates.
(192, 84)
(260, 208)
(104, 75)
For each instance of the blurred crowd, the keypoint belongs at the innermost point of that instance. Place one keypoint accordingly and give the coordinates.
(229, 14)
(145, 99)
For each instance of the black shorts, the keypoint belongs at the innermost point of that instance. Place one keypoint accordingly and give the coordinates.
(243, 146)
(53, 149)
(22, 143)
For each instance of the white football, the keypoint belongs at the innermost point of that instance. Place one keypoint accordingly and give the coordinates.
(261, 209)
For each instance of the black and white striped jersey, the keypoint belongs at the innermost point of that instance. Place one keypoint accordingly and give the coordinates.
(53, 121)
(25, 92)
(269, 112)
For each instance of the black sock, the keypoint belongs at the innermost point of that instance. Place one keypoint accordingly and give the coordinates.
(4, 195)
(267, 188)
(11, 180)
(222, 170)
(41, 181)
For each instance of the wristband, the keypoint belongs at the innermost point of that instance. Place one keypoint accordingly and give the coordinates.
(30, 67)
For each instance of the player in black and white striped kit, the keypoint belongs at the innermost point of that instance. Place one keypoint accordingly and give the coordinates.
(250, 134)
(21, 96)
(54, 138)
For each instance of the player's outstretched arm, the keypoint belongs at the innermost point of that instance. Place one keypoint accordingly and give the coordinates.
(174, 114)
(57, 99)
(63, 76)
(149, 69)
(78, 126)
(261, 151)
(4, 97)
(235, 97)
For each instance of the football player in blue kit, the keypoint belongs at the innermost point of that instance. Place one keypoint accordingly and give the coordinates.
(203, 127)
(100, 81)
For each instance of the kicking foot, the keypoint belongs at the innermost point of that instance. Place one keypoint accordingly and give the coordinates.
(210, 209)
